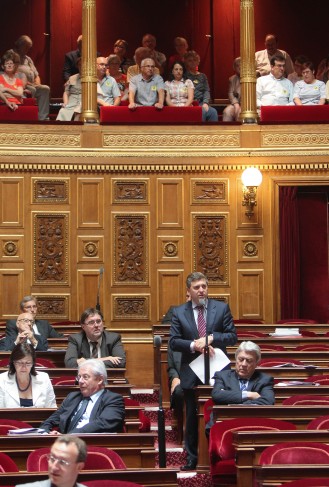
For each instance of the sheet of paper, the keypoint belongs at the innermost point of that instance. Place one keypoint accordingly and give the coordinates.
(218, 362)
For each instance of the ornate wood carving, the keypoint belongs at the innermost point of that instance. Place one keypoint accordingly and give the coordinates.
(55, 307)
(50, 191)
(40, 139)
(50, 248)
(130, 307)
(291, 139)
(209, 191)
(126, 191)
(188, 141)
(130, 249)
(210, 247)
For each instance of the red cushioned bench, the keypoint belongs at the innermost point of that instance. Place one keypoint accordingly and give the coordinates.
(26, 112)
(122, 114)
(304, 114)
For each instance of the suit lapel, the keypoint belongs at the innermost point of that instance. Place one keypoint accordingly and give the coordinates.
(211, 312)
(190, 318)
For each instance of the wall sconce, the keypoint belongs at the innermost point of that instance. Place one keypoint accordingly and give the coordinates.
(251, 179)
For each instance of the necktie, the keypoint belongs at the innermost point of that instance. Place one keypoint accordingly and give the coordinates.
(243, 384)
(79, 413)
(94, 352)
(202, 327)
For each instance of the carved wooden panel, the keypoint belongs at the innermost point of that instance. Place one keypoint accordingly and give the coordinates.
(210, 247)
(51, 263)
(130, 307)
(11, 290)
(250, 293)
(221, 297)
(171, 290)
(12, 248)
(170, 199)
(11, 202)
(130, 191)
(170, 249)
(209, 191)
(50, 190)
(90, 203)
(255, 221)
(131, 251)
(53, 306)
(91, 248)
(87, 290)
(250, 248)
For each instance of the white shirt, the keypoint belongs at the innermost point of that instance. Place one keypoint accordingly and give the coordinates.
(86, 415)
(272, 91)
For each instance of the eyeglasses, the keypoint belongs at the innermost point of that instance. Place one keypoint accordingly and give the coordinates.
(32, 306)
(101, 64)
(25, 320)
(94, 322)
(148, 66)
(84, 377)
(23, 364)
(60, 461)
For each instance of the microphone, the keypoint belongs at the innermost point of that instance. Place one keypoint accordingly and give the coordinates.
(101, 271)
(161, 414)
(202, 302)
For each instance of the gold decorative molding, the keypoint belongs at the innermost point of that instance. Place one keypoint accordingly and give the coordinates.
(290, 139)
(171, 140)
(39, 139)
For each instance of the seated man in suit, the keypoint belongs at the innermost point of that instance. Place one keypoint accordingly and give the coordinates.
(40, 327)
(24, 333)
(92, 410)
(66, 459)
(94, 342)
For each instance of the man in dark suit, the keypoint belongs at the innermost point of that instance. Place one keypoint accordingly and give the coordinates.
(24, 333)
(94, 342)
(40, 327)
(92, 410)
(189, 325)
(70, 60)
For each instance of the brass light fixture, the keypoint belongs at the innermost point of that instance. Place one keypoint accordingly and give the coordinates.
(251, 179)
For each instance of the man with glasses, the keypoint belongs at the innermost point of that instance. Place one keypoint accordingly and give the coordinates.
(42, 329)
(94, 342)
(24, 333)
(274, 89)
(66, 459)
(147, 88)
(108, 92)
(93, 409)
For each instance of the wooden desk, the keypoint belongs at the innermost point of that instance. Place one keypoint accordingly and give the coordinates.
(114, 375)
(270, 475)
(136, 449)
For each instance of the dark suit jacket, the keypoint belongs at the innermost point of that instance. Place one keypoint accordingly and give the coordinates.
(107, 415)
(44, 327)
(8, 343)
(184, 330)
(78, 346)
(227, 388)
(70, 64)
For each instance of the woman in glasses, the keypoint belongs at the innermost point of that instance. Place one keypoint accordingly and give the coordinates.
(22, 385)
(120, 49)
(11, 86)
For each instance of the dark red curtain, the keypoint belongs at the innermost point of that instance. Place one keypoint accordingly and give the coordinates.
(289, 252)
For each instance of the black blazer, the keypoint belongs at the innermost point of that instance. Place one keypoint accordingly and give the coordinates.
(44, 327)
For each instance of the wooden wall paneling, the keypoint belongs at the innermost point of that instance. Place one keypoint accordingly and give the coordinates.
(128, 308)
(170, 200)
(140, 362)
(250, 284)
(12, 248)
(53, 306)
(250, 248)
(209, 191)
(11, 290)
(11, 201)
(87, 285)
(90, 203)
(171, 290)
(170, 249)
(90, 249)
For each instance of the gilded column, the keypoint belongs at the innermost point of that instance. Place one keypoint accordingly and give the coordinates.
(248, 68)
(88, 75)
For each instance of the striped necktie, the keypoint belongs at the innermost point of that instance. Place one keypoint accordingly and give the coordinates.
(243, 384)
(94, 351)
(202, 327)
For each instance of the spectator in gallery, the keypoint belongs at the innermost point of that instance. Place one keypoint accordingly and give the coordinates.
(147, 88)
(149, 40)
(71, 108)
(108, 93)
(263, 64)
(274, 88)
(232, 112)
(179, 90)
(296, 75)
(70, 60)
(309, 91)
(120, 49)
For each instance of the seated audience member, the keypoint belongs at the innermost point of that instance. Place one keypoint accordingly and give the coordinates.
(181, 47)
(147, 88)
(201, 86)
(34, 86)
(43, 328)
(309, 91)
(71, 59)
(274, 89)
(263, 65)
(22, 385)
(300, 60)
(179, 91)
(113, 62)
(94, 342)
(231, 112)
(141, 53)
(108, 92)
(150, 41)
(65, 461)
(11, 86)
(5, 101)
(25, 334)
(93, 409)
(322, 73)
(120, 49)
(71, 108)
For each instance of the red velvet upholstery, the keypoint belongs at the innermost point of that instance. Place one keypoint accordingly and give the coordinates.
(122, 114)
(28, 102)
(313, 347)
(98, 458)
(307, 483)
(7, 464)
(145, 425)
(44, 362)
(252, 322)
(11, 424)
(309, 113)
(269, 362)
(294, 321)
(221, 450)
(64, 381)
(251, 334)
(306, 399)
(321, 379)
(307, 333)
(4, 362)
(110, 483)
(321, 423)
(207, 410)
(295, 452)
(265, 347)
(23, 112)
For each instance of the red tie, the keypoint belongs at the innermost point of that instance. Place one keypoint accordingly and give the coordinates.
(202, 327)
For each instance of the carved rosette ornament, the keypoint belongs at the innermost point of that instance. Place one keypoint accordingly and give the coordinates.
(250, 249)
(10, 248)
(90, 249)
(170, 249)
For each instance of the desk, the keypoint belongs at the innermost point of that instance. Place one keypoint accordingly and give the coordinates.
(270, 475)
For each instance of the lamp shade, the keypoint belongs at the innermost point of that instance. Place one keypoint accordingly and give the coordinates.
(251, 177)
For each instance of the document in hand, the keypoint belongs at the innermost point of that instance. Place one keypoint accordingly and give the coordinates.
(27, 431)
(216, 363)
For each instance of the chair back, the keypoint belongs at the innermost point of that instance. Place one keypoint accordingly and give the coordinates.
(207, 410)
(308, 483)
(321, 379)
(313, 347)
(265, 347)
(320, 423)
(306, 399)
(69, 380)
(145, 422)
(110, 483)
(7, 464)
(44, 362)
(246, 320)
(11, 424)
(269, 362)
(296, 321)
(251, 334)
(295, 452)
